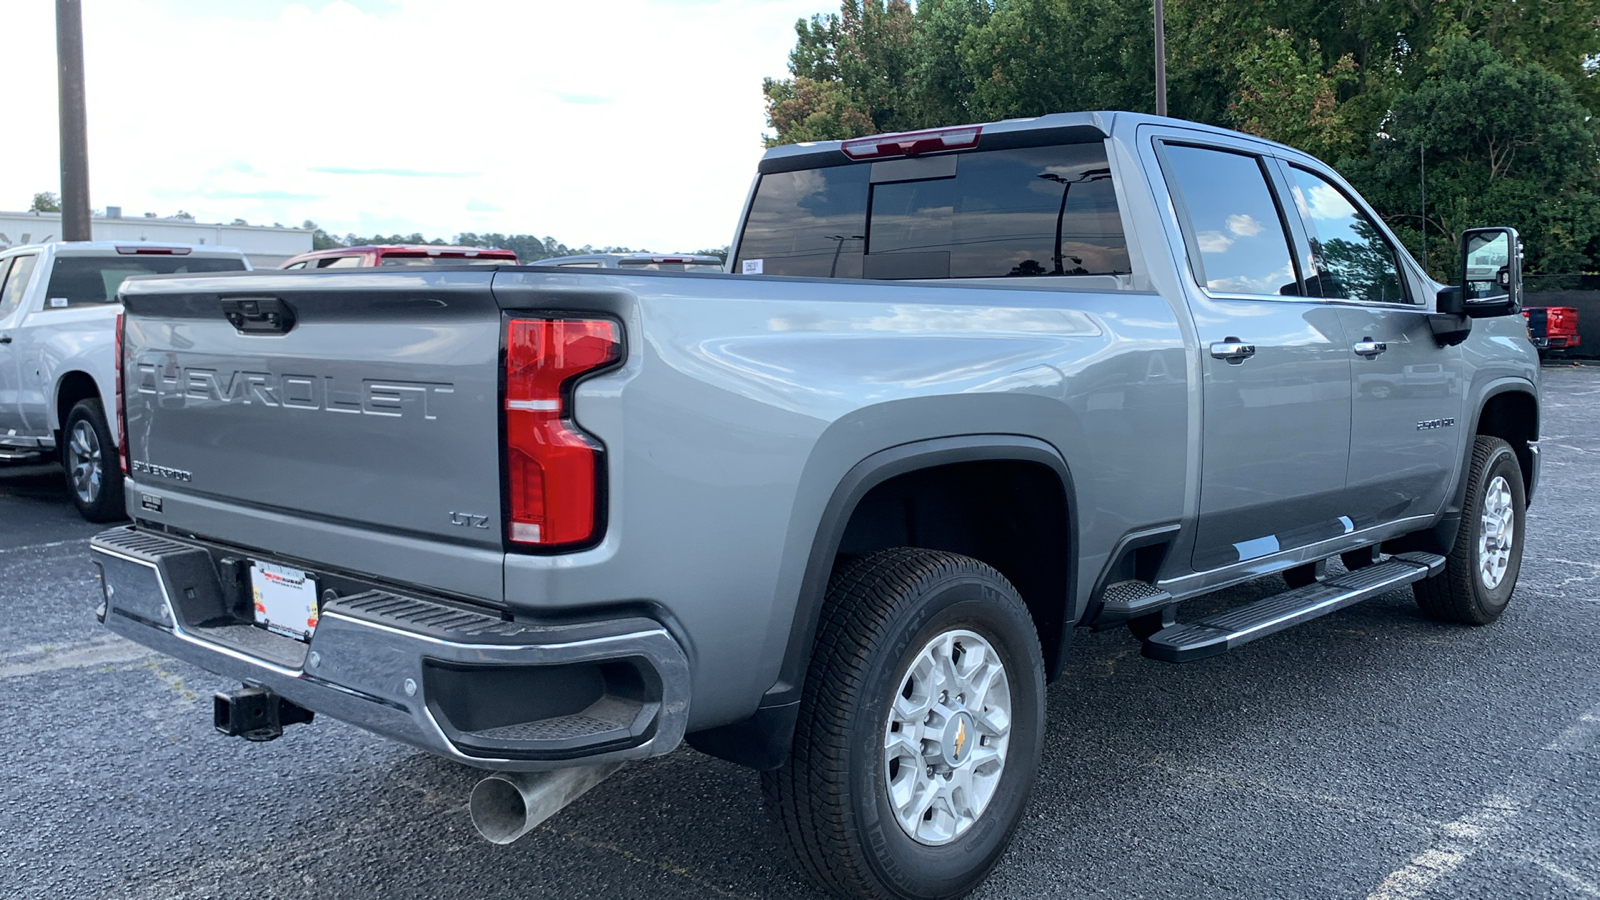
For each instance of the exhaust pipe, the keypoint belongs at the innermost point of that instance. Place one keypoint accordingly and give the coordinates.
(508, 805)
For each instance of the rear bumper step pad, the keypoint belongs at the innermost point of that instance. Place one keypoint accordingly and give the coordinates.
(1217, 634)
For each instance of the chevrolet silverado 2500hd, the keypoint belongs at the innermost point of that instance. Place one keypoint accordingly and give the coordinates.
(58, 313)
(835, 513)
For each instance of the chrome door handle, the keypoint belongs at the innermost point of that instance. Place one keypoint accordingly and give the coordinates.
(1369, 348)
(1233, 350)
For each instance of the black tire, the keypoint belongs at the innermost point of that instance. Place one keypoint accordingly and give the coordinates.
(1460, 593)
(94, 474)
(830, 798)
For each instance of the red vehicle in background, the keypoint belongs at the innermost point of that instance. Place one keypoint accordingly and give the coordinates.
(401, 255)
(1552, 328)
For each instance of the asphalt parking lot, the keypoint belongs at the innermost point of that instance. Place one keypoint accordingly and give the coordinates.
(1371, 753)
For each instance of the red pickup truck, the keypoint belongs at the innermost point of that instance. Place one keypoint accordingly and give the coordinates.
(1552, 328)
(401, 255)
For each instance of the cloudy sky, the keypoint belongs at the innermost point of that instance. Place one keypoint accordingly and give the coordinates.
(631, 122)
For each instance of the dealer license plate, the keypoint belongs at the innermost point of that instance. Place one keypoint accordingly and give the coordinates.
(286, 600)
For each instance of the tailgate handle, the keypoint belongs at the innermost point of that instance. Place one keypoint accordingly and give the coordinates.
(258, 315)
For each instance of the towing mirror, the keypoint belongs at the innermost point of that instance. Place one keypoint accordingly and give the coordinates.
(1491, 272)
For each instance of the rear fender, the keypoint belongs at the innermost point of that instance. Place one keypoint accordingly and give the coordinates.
(762, 741)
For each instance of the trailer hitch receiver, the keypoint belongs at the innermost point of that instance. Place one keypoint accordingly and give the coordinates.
(255, 714)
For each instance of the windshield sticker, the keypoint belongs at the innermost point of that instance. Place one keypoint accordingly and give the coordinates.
(752, 266)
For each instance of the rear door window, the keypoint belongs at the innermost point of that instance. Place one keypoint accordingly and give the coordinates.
(1354, 260)
(984, 214)
(15, 281)
(1231, 221)
(339, 262)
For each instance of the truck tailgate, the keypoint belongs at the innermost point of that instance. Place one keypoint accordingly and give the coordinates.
(363, 430)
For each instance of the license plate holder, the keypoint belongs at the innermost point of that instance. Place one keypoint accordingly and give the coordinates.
(285, 599)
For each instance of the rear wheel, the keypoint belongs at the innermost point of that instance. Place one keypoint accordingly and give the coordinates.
(89, 455)
(1481, 571)
(920, 729)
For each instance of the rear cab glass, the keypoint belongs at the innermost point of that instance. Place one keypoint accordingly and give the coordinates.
(423, 259)
(89, 280)
(1040, 211)
(651, 265)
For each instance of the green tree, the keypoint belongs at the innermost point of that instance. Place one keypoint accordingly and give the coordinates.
(1286, 94)
(851, 74)
(1505, 142)
(320, 240)
(45, 202)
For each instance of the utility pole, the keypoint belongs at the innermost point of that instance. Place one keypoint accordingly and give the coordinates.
(1161, 61)
(1422, 164)
(74, 127)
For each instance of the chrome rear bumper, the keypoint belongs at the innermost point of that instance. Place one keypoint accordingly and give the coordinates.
(459, 682)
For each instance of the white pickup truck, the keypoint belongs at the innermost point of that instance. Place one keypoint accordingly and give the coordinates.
(58, 313)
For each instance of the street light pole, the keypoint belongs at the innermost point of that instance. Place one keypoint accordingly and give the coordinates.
(1061, 214)
(1161, 61)
(1422, 163)
(838, 245)
(74, 127)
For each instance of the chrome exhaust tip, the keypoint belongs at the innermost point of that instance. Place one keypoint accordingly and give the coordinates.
(507, 805)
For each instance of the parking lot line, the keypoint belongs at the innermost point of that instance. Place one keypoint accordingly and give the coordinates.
(1491, 816)
(92, 653)
(45, 546)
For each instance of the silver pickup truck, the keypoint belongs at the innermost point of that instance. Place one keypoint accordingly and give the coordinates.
(58, 316)
(833, 514)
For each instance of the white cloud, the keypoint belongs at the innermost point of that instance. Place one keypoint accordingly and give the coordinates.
(1243, 225)
(636, 122)
(1328, 204)
(1213, 242)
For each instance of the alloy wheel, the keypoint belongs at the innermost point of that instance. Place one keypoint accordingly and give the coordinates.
(944, 745)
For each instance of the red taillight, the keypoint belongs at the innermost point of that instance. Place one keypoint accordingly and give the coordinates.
(552, 468)
(122, 411)
(911, 143)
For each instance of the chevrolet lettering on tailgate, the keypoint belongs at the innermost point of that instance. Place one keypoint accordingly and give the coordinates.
(370, 396)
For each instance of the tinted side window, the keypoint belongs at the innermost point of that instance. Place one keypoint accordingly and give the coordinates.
(16, 282)
(339, 262)
(1353, 259)
(1232, 221)
(810, 222)
(977, 214)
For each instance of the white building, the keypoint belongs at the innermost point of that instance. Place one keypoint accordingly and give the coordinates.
(264, 247)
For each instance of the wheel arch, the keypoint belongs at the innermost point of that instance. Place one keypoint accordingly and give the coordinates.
(1510, 411)
(1048, 585)
(72, 387)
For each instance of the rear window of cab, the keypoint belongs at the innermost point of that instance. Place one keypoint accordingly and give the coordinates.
(85, 280)
(1034, 211)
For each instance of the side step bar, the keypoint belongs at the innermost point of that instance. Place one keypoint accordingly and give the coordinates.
(1217, 634)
